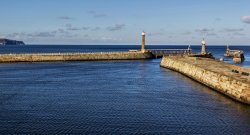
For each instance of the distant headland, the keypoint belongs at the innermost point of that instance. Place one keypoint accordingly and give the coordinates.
(4, 41)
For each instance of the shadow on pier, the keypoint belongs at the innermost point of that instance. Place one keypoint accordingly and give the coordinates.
(159, 53)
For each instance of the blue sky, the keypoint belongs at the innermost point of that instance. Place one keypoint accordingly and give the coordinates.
(121, 21)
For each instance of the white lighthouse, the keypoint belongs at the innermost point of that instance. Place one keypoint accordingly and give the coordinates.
(203, 47)
(143, 42)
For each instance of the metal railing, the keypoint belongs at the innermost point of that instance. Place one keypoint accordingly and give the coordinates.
(170, 51)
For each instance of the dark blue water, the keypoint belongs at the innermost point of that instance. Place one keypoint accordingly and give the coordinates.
(111, 97)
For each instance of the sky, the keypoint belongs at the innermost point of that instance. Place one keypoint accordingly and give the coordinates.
(120, 22)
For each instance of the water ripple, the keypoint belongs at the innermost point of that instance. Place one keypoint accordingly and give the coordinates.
(110, 97)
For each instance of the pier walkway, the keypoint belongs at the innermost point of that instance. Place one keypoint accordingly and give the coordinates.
(231, 80)
(43, 57)
(93, 56)
(161, 52)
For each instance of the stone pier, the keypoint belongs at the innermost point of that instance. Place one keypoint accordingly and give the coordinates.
(46, 57)
(231, 80)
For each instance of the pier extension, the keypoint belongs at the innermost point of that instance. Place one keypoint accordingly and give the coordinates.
(233, 81)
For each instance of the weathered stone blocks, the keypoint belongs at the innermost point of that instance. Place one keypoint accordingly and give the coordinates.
(75, 56)
(217, 75)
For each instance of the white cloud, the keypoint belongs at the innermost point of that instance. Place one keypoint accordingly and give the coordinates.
(156, 34)
(96, 15)
(116, 27)
(204, 30)
(71, 28)
(186, 33)
(245, 19)
(233, 29)
(43, 34)
(65, 18)
(239, 34)
(212, 34)
(96, 28)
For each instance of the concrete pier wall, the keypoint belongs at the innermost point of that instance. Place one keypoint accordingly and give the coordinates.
(214, 74)
(75, 56)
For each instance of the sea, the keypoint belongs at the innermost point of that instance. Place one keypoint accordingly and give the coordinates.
(113, 97)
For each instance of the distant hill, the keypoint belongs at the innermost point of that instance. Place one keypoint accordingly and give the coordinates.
(4, 41)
